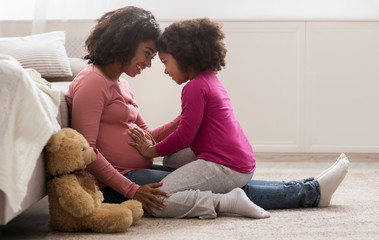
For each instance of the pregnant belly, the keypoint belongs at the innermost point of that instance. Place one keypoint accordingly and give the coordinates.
(119, 153)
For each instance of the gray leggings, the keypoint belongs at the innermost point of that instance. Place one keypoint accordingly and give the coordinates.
(196, 188)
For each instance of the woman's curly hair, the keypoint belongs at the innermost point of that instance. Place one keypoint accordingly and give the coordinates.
(196, 43)
(118, 33)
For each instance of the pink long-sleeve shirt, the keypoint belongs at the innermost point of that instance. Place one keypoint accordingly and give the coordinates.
(209, 127)
(103, 111)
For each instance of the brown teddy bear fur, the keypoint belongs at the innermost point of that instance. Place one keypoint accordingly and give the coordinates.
(75, 201)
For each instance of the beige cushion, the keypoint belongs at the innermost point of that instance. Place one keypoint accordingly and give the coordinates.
(77, 65)
(44, 52)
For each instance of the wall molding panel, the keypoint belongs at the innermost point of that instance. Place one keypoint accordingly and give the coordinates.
(267, 60)
(342, 72)
(296, 86)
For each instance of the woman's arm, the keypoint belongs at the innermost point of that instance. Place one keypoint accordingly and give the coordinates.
(87, 108)
(88, 102)
(163, 131)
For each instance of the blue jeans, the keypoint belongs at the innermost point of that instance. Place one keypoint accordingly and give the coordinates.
(283, 195)
(140, 177)
(266, 194)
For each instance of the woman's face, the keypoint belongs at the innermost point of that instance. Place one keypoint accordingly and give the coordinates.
(172, 69)
(145, 52)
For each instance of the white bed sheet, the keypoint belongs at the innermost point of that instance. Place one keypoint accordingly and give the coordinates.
(29, 108)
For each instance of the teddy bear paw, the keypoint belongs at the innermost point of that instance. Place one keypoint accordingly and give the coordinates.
(136, 208)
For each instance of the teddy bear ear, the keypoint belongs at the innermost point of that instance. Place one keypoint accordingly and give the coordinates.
(55, 141)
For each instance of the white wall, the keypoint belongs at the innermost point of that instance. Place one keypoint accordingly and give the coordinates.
(227, 10)
(168, 10)
(295, 86)
(302, 86)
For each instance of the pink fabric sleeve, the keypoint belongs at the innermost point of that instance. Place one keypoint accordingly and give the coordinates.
(193, 105)
(165, 130)
(87, 106)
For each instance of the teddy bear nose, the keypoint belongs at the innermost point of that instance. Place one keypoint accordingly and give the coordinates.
(95, 150)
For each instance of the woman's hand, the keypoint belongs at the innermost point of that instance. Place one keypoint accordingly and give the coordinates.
(146, 195)
(144, 143)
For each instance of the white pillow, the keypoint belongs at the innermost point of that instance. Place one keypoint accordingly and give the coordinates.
(44, 52)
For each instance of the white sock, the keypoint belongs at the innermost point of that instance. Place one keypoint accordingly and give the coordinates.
(327, 170)
(330, 181)
(236, 202)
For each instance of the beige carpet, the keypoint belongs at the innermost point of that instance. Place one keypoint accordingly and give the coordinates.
(353, 214)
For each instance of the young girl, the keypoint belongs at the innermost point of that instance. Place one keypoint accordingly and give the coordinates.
(193, 51)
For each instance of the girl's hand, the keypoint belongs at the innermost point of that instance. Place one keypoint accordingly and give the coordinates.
(146, 195)
(144, 143)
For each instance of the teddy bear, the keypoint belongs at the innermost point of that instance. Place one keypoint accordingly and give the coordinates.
(75, 201)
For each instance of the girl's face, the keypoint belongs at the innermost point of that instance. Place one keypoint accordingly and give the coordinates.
(145, 52)
(172, 68)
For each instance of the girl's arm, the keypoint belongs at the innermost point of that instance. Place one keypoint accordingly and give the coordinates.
(194, 100)
(193, 105)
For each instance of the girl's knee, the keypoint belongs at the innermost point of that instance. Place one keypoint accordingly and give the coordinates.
(179, 159)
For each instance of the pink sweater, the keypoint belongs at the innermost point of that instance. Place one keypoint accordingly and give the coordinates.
(103, 111)
(209, 127)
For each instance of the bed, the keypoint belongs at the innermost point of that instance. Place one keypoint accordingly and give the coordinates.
(19, 189)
